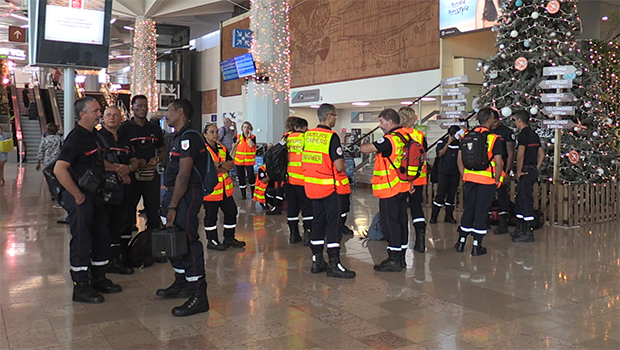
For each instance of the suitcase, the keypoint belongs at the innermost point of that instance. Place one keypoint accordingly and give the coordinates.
(169, 242)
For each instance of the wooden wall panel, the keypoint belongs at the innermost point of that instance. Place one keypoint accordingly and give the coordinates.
(209, 102)
(233, 87)
(336, 40)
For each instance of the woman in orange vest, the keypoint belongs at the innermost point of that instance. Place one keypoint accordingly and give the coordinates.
(221, 197)
(407, 119)
(245, 156)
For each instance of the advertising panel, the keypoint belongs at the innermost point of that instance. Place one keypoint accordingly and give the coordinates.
(461, 16)
(75, 21)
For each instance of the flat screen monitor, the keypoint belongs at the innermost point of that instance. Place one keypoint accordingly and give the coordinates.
(238, 67)
(71, 33)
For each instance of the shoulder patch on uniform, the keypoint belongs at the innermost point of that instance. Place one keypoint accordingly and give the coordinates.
(513, 137)
(185, 145)
(339, 151)
(381, 140)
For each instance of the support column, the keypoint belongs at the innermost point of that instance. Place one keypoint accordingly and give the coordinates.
(267, 102)
(144, 62)
(69, 100)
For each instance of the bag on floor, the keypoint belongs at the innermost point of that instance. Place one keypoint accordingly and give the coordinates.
(139, 253)
(375, 233)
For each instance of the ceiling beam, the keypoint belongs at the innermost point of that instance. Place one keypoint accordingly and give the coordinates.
(152, 6)
(135, 6)
(183, 8)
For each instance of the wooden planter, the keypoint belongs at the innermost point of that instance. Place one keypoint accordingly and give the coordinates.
(562, 205)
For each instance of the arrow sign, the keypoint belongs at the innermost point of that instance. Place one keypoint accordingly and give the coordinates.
(455, 91)
(559, 110)
(453, 114)
(455, 80)
(559, 97)
(559, 70)
(557, 124)
(447, 125)
(17, 34)
(556, 84)
(454, 103)
(171, 89)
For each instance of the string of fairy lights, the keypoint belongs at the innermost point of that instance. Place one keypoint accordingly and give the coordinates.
(144, 62)
(271, 47)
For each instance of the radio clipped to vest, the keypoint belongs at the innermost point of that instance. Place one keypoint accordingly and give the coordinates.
(412, 159)
(474, 150)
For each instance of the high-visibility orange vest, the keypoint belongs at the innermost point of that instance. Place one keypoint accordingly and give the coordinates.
(484, 177)
(261, 187)
(245, 154)
(295, 145)
(385, 180)
(417, 136)
(224, 182)
(317, 166)
(342, 182)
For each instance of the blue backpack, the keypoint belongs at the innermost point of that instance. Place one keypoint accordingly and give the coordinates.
(375, 233)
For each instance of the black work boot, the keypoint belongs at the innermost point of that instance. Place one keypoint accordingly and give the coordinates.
(233, 242)
(318, 264)
(197, 303)
(306, 237)
(84, 293)
(434, 214)
(105, 285)
(450, 214)
(243, 195)
(214, 244)
(178, 289)
(502, 225)
(459, 246)
(478, 250)
(527, 235)
(336, 270)
(295, 236)
(392, 264)
(420, 239)
(275, 210)
(117, 266)
(518, 228)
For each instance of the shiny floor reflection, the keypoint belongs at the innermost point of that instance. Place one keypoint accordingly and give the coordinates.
(561, 292)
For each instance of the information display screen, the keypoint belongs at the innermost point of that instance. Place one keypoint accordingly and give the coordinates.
(75, 21)
(229, 69)
(238, 67)
(461, 16)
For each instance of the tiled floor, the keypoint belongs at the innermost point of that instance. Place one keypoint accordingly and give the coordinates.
(561, 292)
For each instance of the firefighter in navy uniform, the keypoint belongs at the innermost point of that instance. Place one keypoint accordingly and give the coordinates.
(507, 138)
(119, 162)
(296, 197)
(530, 156)
(391, 190)
(180, 207)
(325, 181)
(148, 143)
(89, 248)
(448, 175)
(479, 186)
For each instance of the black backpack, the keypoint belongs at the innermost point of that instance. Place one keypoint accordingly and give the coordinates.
(474, 147)
(276, 161)
(139, 253)
(210, 180)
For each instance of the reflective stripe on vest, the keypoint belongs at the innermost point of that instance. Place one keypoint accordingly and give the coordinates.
(224, 182)
(317, 165)
(245, 154)
(385, 181)
(295, 145)
(484, 177)
(259, 190)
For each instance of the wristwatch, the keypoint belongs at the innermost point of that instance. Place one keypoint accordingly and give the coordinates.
(130, 167)
(219, 164)
(170, 207)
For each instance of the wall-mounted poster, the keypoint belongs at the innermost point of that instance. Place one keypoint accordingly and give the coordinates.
(460, 16)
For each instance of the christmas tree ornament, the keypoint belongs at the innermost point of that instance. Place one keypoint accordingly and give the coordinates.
(579, 72)
(519, 3)
(569, 34)
(493, 75)
(600, 171)
(521, 63)
(526, 43)
(486, 67)
(587, 105)
(552, 140)
(514, 34)
(475, 104)
(485, 84)
(595, 133)
(573, 157)
(535, 15)
(553, 7)
(552, 34)
(533, 111)
(506, 112)
(502, 46)
(479, 64)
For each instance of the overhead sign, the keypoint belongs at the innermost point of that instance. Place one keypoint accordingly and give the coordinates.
(461, 16)
(306, 96)
(13, 54)
(365, 117)
(447, 125)
(455, 91)
(559, 70)
(17, 34)
(559, 110)
(559, 97)
(453, 114)
(454, 103)
(557, 124)
(460, 79)
(556, 84)
(242, 38)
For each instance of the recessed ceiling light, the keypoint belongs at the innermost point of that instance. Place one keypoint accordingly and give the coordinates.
(128, 27)
(406, 103)
(315, 106)
(428, 99)
(360, 104)
(112, 20)
(604, 18)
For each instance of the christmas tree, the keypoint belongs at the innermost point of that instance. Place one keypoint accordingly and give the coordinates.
(532, 35)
